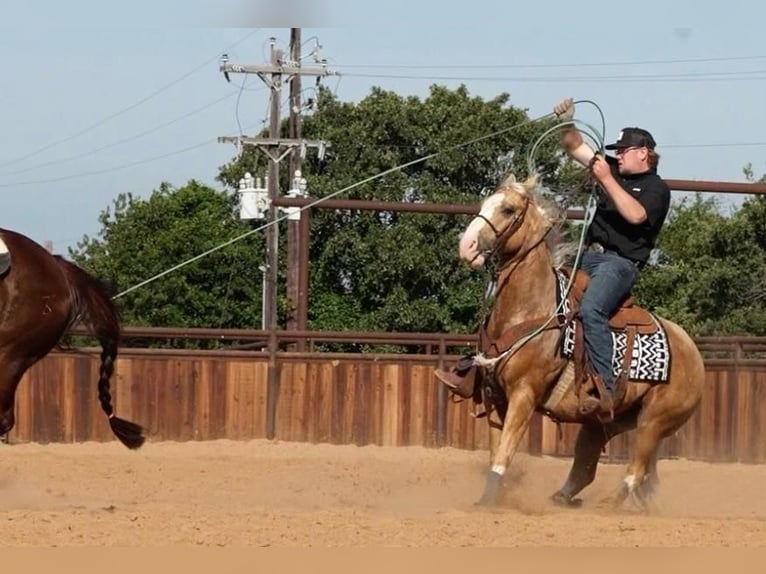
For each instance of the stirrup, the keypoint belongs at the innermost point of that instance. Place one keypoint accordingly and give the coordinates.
(462, 386)
(602, 407)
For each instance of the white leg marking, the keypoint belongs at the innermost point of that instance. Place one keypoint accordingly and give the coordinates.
(498, 469)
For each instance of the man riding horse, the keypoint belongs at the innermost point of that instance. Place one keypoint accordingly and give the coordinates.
(633, 202)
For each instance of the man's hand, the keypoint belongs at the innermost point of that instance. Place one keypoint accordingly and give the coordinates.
(600, 169)
(565, 109)
(628, 206)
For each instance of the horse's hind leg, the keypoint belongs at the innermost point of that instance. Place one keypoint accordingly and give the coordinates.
(590, 442)
(659, 418)
(644, 493)
(641, 479)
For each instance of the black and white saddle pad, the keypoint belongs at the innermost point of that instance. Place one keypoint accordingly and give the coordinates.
(650, 360)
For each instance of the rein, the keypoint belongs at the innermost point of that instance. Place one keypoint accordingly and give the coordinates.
(502, 236)
(518, 335)
(492, 255)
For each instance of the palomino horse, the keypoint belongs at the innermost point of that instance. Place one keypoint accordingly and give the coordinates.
(41, 296)
(511, 227)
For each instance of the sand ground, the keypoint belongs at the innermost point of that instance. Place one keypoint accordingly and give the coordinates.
(263, 493)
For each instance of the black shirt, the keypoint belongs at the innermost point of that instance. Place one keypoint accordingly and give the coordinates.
(611, 230)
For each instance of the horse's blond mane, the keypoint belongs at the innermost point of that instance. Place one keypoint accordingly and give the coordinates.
(551, 213)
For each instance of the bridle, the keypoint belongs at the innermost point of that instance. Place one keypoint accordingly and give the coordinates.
(502, 276)
(491, 254)
(501, 236)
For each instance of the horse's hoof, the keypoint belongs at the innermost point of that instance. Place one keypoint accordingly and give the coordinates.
(484, 502)
(491, 490)
(560, 499)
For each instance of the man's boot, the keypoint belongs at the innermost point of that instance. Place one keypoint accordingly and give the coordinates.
(460, 380)
(603, 405)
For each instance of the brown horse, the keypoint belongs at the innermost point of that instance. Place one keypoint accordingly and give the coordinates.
(529, 370)
(41, 297)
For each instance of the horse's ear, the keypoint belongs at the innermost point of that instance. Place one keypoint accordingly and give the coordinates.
(509, 180)
(531, 184)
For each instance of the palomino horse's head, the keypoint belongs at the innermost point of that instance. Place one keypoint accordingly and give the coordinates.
(512, 221)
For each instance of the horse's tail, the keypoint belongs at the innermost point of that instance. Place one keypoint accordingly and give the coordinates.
(92, 305)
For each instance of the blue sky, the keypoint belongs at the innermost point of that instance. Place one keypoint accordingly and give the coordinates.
(91, 88)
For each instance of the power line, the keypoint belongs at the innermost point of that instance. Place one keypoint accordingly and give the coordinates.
(128, 108)
(109, 169)
(359, 147)
(678, 77)
(563, 65)
(702, 145)
(118, 167)
(122, 141)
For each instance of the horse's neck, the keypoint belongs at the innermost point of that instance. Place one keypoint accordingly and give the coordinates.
(525, 290)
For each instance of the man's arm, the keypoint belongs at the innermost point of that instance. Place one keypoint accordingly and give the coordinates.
(628, 206)
(575, 146)
(571, 139)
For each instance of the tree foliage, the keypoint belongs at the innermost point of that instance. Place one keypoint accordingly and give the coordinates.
(710, 269)
(141, 239)
(393, 271)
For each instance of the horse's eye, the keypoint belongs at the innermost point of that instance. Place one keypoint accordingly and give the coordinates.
(508, 210)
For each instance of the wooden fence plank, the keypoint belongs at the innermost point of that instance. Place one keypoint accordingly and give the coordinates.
(346, 401)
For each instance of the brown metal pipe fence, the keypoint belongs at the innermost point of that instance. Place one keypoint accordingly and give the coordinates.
(285, 390)
(342, 398)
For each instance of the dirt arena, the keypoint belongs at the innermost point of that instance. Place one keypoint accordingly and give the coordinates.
(262, 493)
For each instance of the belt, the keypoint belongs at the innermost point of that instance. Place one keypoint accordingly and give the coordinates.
(597, 247)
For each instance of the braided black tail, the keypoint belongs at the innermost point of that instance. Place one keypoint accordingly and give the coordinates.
(92, 304)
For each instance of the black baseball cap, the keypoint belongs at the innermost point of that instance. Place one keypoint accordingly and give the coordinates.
(633, 137)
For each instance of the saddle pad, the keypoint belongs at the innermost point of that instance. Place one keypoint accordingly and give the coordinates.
(650, 359)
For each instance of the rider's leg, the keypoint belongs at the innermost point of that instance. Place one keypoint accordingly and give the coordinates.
(611, 279)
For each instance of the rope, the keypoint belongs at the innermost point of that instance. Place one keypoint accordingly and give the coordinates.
(319, 201)
(330, 196)
(598, 139)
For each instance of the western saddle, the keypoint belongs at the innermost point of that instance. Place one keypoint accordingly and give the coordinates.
(629, 318)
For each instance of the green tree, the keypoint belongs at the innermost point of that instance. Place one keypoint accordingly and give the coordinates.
(710, 271)
(369, 270)
(141, 239)
(394, 271)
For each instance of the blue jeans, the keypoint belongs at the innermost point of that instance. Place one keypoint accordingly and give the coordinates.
(611, 279)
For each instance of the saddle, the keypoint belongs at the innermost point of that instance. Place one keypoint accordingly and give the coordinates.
(5, 258)
(628, 318)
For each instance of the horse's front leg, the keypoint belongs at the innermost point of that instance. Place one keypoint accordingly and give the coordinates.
(495, 432)
(521, 406)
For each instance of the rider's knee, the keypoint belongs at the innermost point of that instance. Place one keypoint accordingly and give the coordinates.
(591, 312)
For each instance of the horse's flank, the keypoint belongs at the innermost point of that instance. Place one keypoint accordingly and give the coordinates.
(41, 297)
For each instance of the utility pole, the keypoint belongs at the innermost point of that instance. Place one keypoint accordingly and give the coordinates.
(296, 293)
(272, 231)
(277, 148)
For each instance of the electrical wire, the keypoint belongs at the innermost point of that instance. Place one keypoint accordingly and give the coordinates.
(126, 109)
(236, 107)
(745, 75)
(121, 141)
(561, 65)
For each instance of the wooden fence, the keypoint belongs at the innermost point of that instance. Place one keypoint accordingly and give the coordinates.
(342, 399)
